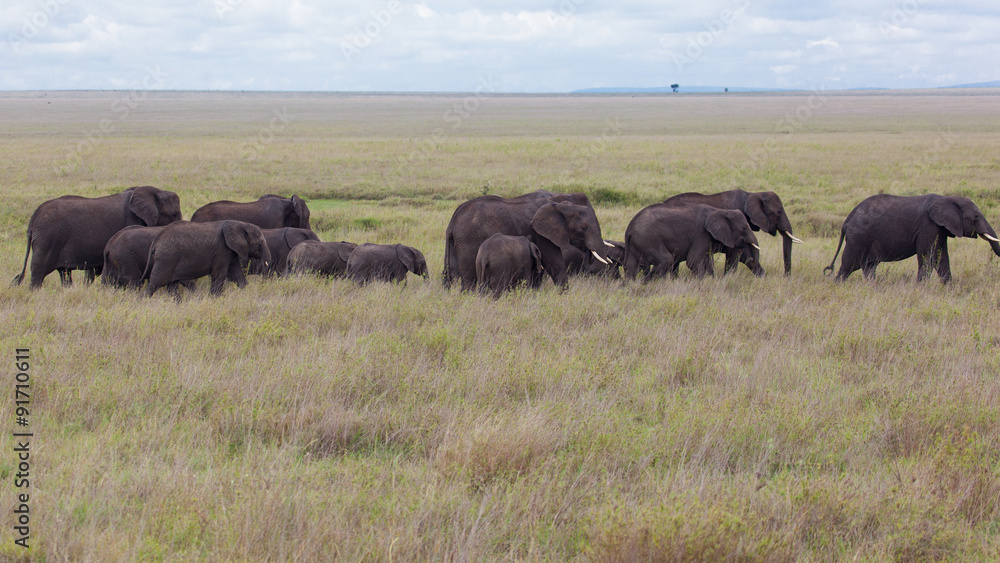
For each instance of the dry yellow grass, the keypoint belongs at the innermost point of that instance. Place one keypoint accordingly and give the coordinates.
(305, 419)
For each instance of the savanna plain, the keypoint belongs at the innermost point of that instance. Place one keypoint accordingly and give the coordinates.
(726, 418)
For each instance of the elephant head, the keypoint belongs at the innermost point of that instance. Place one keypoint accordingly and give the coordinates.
(153, 206)
(556, 226)
(767, 214)
(246, 240)
(730, 229)
(300, 212)
(962, 218)
(413, 259)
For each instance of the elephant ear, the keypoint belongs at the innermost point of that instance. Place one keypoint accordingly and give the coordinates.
(344, 251)
(406, 255)
(236, 238)
(754, 209)
(536, 257)
(717, 225)
(293, 237)
(302, 211)
(550, 223)
(143, 204)
(946, 214)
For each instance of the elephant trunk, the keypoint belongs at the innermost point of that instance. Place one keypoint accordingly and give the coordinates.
(986, 231)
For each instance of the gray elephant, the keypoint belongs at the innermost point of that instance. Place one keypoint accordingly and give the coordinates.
(280, 243)
(763, 210)
(477, 219)
(504, 262)
(557, 227)
(887, 228)
(324, 258)
(70, 232)
(268, 212)
(188, 251)
(662, 236)
(581, 263)
(385, 262)
(125, 257)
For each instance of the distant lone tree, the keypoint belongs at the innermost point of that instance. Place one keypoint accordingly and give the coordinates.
(674, 87)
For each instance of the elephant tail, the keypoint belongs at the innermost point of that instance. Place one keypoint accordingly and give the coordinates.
(447, 274)
(829, 269)
(20, 277)
(149, 264)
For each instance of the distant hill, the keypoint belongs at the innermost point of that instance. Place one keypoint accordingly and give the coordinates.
(993, 84)
(714, 89)
(663, 89)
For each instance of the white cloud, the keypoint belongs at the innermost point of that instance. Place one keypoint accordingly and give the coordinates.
(528, 45)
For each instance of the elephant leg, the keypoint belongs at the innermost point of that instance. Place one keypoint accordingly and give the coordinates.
(869, 270)
(90, 275)
(467, 269)
(174, 290)
(943, 263)
(924, 266)
(65, 276)
(734, 257)
(849, 262)
(236, 274)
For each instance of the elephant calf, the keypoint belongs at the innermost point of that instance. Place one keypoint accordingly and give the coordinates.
(385, 262)
(125, 256)
(886, 228)
(188, 251)
(324, 258)
(661, 236)
(503, 262)
(280, 243)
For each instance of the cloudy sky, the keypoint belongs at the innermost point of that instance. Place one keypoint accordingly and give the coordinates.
(503, 46)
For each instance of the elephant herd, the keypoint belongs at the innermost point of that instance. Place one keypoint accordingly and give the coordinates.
(492, 244)
(139, 235)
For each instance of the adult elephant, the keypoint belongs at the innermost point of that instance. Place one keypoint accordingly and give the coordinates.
(477, 219)
(385, 262)
(556, 227)
(887, 228)
(324, 258)
(268, 212)
(279, 243)
(70, 232)
(662, 236)
(504, 262)
(187, 251)
(763, 211)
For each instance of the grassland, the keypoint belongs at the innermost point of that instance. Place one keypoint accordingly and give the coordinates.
(305, 419)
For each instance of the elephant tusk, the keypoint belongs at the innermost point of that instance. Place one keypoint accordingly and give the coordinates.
(990, 238)
(791, 236)
(608, 244)
(599, 259)
(755, 246)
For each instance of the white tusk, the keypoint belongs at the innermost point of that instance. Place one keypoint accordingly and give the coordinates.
(791, 236)
(599, 259)
(990, 238)
(755, 246)
(606, 243)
